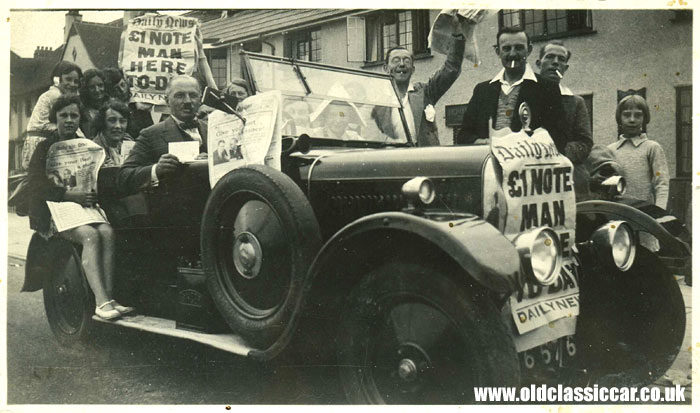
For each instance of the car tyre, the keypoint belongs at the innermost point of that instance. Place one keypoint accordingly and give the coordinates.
(410, 334)
(68, 300)
(259, 236)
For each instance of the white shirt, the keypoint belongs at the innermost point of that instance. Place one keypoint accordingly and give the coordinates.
(396, 123)
(508, 87)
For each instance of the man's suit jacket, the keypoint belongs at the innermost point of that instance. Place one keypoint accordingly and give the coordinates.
(135, 173)
(220, 157)
(543, 97)
(424, 94)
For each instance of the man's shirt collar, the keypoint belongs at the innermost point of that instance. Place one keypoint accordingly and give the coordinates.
(565, 91)
(636, 140)
(528, 75)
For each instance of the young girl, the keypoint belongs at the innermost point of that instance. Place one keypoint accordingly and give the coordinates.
(66, 78)
(97, 239)
(642, 159)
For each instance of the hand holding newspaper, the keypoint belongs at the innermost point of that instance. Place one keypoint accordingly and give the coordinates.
(440, 35)
(74, 165)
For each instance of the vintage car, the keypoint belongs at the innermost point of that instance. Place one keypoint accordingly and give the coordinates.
(393, 261)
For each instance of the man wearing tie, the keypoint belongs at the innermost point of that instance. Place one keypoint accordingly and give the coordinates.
(149, 161)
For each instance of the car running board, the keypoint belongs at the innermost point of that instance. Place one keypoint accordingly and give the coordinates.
(227, 342)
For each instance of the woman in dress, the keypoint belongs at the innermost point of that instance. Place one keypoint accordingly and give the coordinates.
(111, 124)
(92, 94)
(97, 240)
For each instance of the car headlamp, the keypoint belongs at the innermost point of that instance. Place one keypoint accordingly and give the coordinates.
(419, 191)
(615, 241)
(616, 185)
(541, 254)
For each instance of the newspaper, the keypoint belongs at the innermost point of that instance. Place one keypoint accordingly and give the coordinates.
(440, 36)
(153, 49)
(74, 165)
(233, 144)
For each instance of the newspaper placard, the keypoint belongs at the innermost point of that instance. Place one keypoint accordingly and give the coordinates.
(536, 306)
(538, 184)
(74, 165)
(233, 145)
(154, 48)
(539, 191)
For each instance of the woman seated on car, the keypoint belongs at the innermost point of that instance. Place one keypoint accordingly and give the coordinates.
(97, 240)
(111, 123)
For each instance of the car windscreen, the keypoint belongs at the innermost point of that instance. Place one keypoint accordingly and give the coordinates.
(332, 104)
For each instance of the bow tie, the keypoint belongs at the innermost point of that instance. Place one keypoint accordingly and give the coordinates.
(192, 124)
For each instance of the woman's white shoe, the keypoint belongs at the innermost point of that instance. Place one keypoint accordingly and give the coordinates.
(122, 309)
(107, 314)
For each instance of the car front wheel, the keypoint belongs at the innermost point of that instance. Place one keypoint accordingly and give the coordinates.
(412, 335)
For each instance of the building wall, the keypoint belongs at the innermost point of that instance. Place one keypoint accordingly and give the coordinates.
(82, 58)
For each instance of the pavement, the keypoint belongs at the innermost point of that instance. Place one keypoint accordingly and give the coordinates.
(19, 236)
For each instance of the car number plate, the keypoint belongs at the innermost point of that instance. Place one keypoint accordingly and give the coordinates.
(554, 354)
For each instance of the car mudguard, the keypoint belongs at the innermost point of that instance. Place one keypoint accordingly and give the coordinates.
(41, 258)
(475, 245)
(639, 221)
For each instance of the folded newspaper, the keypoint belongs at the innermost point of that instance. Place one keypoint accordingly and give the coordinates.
(74, 165)
(439, 39)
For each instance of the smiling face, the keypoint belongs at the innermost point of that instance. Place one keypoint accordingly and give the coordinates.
(69, 83)
(554, 59)
(96, 88)
(67, 121)
(400, 66)
(115, 125)
(513, 49)
(183, 98)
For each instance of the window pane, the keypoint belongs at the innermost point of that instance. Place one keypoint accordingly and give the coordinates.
(349, 86)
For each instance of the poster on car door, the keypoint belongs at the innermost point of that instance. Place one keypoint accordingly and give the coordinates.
(74, 165)
(154, 48)
(233, 143)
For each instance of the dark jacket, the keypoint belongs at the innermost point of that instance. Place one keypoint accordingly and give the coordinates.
(424, 94)
(40, 187)
(543, 97)
(135, 173)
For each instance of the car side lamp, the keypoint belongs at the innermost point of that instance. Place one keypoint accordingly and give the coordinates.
(419, 192)
(615, 186)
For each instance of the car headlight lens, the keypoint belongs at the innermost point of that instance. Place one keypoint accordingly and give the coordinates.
(419, 192)
(540, 253)
(616, 240)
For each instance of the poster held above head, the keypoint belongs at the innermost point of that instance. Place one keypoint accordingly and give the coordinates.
(153, 49)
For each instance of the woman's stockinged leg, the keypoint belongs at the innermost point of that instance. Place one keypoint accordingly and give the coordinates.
(107, 242)
(89, 238)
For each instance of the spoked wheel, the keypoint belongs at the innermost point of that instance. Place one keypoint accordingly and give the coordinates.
(410, 335)
(68, 300)
(259, 236)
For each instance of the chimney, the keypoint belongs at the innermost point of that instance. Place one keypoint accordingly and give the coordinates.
(42, 52)
(130, 14)
(71, 17)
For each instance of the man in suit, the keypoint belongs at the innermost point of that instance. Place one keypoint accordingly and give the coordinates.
(221, 154)
(149, 161)
(553, 64)
(418, 98)
(234, 151)
(499, 99)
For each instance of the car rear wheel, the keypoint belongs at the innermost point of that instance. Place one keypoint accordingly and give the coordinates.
(68, 300)
(411, 335)
(259, 236)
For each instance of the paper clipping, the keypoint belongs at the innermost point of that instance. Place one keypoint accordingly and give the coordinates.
(233, 145)
(74, 165)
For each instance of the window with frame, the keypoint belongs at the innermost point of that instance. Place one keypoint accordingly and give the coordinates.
(548, 24)
(305, 45)
(391, 28)
(218, 65)
(684, 131)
